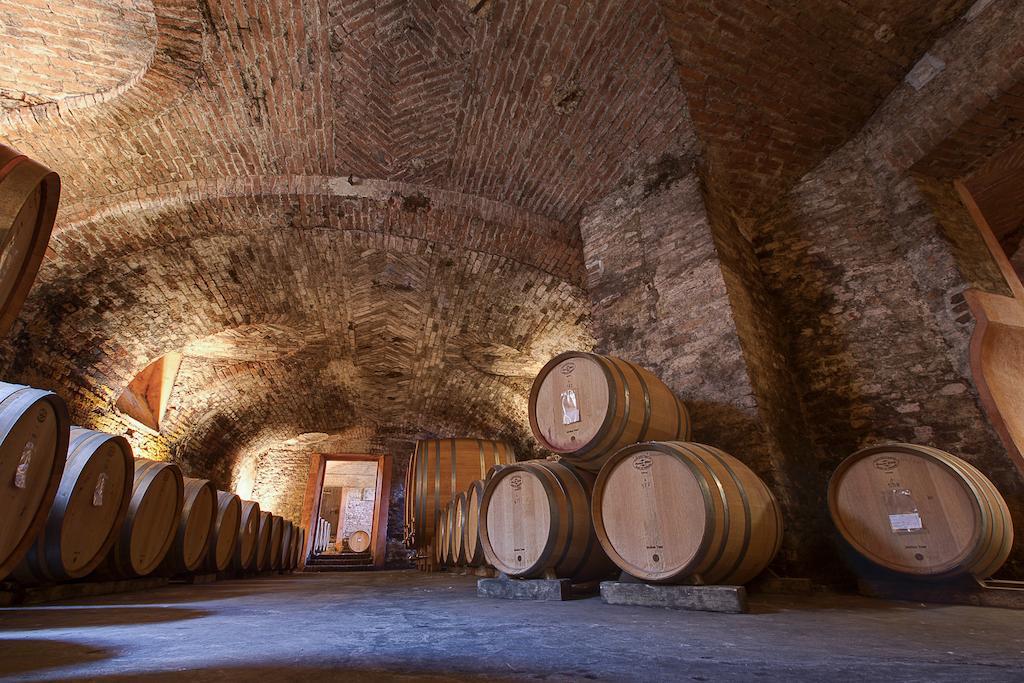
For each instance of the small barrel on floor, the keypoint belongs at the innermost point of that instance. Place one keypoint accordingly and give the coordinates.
(244, 558)
(673, 511)
(535, 522)
(920, 512)
(34, 434)
(359, 541)
(88, 510)
(225, 532)
(150, 523)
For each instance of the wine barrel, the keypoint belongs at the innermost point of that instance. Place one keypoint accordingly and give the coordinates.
(300, 551)
(263, 542)
(458, 529)
(359, 541)
(473, 550)
(441, 468)
(585, 407)
(286, 544)
(535, 520)
(440, 533)
(293, 547)
(150, 523)
(276, 536)
(920, 511)
(34, 433)
(29, 194)
(89, 508)
(673, 511)
(225, 532)
(244, 558)
(195, 527)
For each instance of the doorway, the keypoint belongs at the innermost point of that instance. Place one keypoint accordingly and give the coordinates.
(347, 503)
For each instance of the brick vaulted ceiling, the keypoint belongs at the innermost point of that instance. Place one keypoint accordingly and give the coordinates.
(362, 212)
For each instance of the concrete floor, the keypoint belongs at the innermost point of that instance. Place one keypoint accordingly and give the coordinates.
(403, 626)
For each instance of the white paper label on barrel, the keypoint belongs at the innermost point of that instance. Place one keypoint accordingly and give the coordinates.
(97, 493)
(910, 521)
(570, 408)
(21, 472)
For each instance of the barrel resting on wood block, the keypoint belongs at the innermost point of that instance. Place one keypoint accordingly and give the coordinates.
(728, 599)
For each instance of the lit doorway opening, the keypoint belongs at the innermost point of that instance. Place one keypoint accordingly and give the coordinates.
(347, 497)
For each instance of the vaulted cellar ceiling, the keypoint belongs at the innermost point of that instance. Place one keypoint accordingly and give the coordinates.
(355, 214)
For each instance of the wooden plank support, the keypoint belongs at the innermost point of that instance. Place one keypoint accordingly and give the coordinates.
(726, 599)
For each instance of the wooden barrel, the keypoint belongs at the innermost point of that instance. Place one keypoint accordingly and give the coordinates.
(457, 522)
(359, 541)
(920, 511)
(440, 533)
(195, 527)
(674, 511)
(150, 523)
(29, 194)
(473, 550)
(286, 544)
(300, 549)
(263, 542)
(89, 508)
(535, 520)
(244, 558)
(34, 433)
(586, 407)
(293, 546)
(225, 532)
(441, 469)
(276, 537)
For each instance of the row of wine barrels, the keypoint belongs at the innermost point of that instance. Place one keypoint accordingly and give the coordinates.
(672, 511)
(29, 195)
(89, 508)
(535, 522)
(34, 434)
(586, 406)
(920, 512)
(440, 470)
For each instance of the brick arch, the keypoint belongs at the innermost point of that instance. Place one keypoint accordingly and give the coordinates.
(167, 62)
(388, 301)
(53, 60)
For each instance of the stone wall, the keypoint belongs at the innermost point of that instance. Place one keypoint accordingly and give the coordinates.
(678, 292)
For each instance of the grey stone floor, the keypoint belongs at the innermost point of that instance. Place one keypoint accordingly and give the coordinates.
(403, 626)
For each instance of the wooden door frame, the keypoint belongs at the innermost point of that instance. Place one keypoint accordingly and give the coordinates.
(314, 487)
